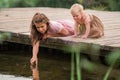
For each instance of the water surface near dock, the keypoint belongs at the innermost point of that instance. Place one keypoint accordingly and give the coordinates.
(15, 64)
(53, 64)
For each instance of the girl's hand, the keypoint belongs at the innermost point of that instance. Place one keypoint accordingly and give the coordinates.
(34, 60)
(84, 36)
(75, 36)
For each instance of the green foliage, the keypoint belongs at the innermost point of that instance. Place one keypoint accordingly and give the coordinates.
(118, 78)
(30, 3)
(114, 5)
(75, 53)
(101, 8)
(87, 65)
(111, 5)
(57, 3)
(37, 3)
(75, 50)
(4, 3)
(4, 36)
(113, 59)
(9, 3)
(80, 1)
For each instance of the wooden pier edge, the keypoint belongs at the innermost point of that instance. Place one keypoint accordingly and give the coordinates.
(54, 42)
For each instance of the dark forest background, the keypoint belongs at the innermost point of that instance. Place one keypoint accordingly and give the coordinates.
(110, 5)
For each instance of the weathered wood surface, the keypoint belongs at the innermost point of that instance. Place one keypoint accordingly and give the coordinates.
(17, 22)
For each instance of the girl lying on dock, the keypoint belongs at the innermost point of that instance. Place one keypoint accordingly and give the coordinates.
(42, 28)
(86, 25)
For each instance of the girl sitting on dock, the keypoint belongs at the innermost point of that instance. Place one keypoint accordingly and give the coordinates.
(42, 28)
(86, 25)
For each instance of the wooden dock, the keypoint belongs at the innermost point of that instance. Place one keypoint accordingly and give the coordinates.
(17, 22)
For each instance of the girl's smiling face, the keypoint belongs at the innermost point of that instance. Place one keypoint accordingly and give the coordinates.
(77, 16)
(41, 27)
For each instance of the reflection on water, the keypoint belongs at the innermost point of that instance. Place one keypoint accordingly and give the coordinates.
(15, 64)
(35, 72)
(48, 68)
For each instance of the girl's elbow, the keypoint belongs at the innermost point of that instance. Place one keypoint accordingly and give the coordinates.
(66, 34)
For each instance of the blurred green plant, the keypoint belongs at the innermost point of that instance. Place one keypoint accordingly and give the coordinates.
(87, 65)
(4, 3)
(113, 60)
(118, 78)
(30, 3)
(36, 3)
(80, 1)
(114, 5)
(75, 54)
(4, 36)
(18, 3)
(80, 62)
(77, 62)
(101, 8)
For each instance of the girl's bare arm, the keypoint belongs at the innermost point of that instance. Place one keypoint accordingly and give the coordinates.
(35, 52)
(62, 33)
(76, 29)
(87, 25)
(87, 30)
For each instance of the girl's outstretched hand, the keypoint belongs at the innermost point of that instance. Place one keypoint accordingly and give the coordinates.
(76, 36)
(34, 61)
(84, 36)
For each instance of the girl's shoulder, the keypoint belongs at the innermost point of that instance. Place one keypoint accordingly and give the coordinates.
(54, 24)
(86, 18)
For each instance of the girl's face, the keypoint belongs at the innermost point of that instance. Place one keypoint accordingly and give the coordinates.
(77, 16)
(41, 27)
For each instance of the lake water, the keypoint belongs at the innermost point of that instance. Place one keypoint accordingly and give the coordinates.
(53, 65)
(17, 67)
(15, 64)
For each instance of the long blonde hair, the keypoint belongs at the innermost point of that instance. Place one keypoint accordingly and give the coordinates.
(34, 34)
